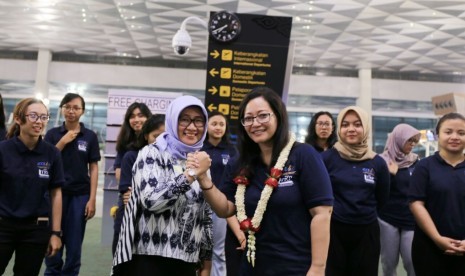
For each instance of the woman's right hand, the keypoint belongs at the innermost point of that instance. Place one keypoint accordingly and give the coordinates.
(449, 246)
(127, 196)
(200, 161)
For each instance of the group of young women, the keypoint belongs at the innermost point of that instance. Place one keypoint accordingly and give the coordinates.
(299, 212)
(420, 209)
(291, 209)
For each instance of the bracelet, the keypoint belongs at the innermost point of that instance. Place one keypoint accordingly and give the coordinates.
(206, 189)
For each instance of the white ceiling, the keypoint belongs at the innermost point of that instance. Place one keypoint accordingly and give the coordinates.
(390, 35)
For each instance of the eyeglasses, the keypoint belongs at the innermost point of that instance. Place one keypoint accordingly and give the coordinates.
(186, 121)
(323, 124)
(412, 140)
(261, 118)
(33, 117)
(69, 108)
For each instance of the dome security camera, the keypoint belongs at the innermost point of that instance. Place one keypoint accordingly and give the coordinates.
(181, 42)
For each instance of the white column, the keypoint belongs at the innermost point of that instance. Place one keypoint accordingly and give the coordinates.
(364, 99)
(44, 59)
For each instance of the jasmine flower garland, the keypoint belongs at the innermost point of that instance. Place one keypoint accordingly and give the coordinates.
(252, 225)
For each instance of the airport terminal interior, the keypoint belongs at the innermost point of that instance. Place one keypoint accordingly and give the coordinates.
(397, 54)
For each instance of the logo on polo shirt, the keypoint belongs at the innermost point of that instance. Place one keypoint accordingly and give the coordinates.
(43, 168)
(369, 175)
(82, 145)
(287, 177)
(225, 158)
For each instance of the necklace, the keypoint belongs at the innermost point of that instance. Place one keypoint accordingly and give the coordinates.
(252, 225)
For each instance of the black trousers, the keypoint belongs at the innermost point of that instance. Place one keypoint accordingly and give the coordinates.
(143, 265)
(233, 256)
(353, 250)
(28, 240)
(429, 260)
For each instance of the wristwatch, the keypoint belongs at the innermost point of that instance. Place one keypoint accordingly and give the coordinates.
(57, 233)
(191, 172)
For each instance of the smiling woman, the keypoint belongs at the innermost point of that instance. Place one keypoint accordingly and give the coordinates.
(278, 186)
(166, 202)
(360, 181)
(34, 168)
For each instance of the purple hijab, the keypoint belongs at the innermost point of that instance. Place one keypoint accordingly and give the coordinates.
(169, 140)
(396, 141)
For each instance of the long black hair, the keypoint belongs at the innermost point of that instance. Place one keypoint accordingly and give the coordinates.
(127, 135)
(312, 137)
(249, 151)
(226, 135)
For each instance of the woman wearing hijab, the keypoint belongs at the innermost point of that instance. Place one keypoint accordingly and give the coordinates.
(360, 181)
(166, 228)
(396, 222)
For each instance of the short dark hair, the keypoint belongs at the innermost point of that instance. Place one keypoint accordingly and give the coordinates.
(448, 116)
(312, 136)
(248, 149)
(71, 96)
(226, 135)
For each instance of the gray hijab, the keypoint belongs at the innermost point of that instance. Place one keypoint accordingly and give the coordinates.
(396, 141)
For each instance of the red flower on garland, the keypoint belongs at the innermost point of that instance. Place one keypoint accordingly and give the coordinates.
(276, 173)
(271, 181)
(246, 225)
(241, 180)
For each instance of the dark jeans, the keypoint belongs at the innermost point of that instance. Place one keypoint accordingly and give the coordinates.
(429, 260)
(28, 240)
(353, 250)
(73, 224)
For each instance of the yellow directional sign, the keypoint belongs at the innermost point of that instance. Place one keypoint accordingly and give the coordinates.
(212, 107)
(213, 90)
(213, 72)
(215, 54)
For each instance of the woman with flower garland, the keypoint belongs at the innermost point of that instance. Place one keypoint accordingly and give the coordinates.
(360, 180)
(281, 191)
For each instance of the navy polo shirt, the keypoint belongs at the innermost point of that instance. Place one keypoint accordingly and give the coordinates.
(396, 211)
(360, 187)
(126, 170)
(118, 159)
(76, 155)
(2, 134)
(26, 176)
(221, 155)
(283, 242)
(442, 188)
